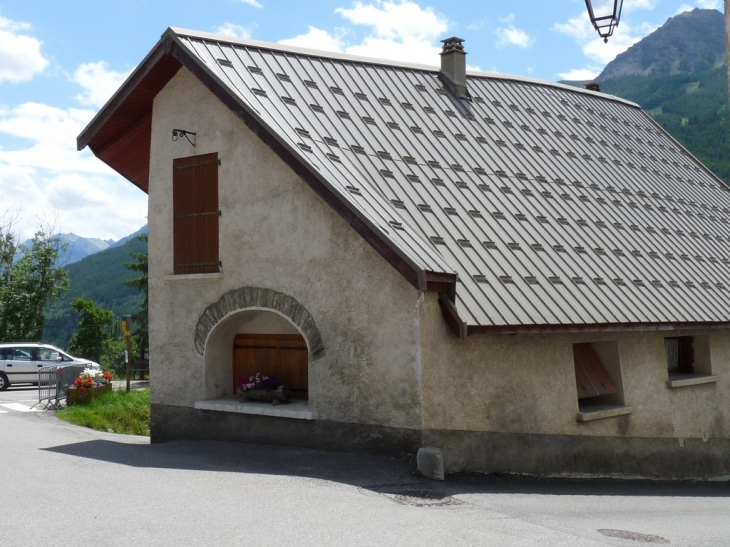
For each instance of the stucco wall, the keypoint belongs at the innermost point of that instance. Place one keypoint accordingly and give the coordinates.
(526, 384)
(275, 233)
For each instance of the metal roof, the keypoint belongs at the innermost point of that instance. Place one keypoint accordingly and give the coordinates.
(555, 206)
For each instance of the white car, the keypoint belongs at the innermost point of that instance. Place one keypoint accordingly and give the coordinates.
(19, 362)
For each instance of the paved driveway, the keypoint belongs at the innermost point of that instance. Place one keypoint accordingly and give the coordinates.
(65, 485)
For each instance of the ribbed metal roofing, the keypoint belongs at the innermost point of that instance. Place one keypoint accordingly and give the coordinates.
(555, 206)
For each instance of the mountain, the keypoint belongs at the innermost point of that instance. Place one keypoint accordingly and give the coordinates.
(678, 75)
(142, 230)
(78, 247)
(98, 277)
(688, 43)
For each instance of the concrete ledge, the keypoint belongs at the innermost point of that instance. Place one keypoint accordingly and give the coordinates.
(298, 410)
(599, 413)
(193, 277)
(690, 380)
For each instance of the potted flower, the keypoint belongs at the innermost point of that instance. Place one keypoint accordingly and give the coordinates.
(259, 387)
(89, 385)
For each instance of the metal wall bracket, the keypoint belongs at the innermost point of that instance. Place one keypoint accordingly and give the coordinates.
(177, 133)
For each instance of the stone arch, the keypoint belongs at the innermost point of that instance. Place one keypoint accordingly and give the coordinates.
(260, 298)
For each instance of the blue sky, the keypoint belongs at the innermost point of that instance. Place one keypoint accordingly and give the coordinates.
(61, 60)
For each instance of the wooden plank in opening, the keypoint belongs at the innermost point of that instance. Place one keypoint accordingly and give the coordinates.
(591, 377)
(283, 356)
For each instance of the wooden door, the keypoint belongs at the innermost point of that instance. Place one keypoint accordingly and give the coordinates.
(283, 356)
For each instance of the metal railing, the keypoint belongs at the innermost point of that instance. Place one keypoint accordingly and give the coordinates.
(53, 383)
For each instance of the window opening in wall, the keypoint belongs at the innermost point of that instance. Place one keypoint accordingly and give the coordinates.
(688, 356)
(195, 214)
(283, 356)
(680, 355)
(597, 375)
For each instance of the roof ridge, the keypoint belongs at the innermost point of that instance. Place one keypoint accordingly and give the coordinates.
(341, 56)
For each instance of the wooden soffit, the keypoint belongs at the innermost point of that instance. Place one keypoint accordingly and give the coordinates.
(120, 133)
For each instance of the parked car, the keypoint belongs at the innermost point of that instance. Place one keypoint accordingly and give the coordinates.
(19, 362)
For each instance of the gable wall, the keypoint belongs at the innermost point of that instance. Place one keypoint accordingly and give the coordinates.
(276, 233)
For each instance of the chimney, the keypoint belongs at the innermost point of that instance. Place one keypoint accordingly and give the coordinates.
(453, 67)
(593, 86)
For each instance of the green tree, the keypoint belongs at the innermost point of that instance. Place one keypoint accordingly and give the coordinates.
(141, 318)
(29, 278)
(93, 336)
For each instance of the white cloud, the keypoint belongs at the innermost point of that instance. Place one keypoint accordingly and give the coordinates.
(402, 21)
(98, 82)
(512, 36)
(20, 54)
(477, 25)
(402, 31)
(48, 175)
(253, 3)
(580, 74)
(598, 52)
(316, 38)
(90, 206)
(234, 31)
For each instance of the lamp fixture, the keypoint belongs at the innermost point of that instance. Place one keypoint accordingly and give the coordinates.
(177, 133)
(603, 19)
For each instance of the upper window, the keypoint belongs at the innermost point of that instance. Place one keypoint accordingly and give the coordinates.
(195, 214)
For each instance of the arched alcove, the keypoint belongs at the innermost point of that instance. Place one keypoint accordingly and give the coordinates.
(269, 327)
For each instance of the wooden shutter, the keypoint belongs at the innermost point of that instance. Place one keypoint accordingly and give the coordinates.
(591, 378)
(195, 214)
(283, 356)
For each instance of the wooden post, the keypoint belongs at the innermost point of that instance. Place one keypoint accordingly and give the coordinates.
(127, 328)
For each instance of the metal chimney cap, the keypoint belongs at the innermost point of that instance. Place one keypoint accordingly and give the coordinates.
(452, 44)
(593, 86)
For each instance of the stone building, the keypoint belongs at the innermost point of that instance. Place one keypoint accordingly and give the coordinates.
(531, 277)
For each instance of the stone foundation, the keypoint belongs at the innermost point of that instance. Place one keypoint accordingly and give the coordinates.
(463, 451)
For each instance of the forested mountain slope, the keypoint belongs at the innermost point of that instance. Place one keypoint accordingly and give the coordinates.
(98, 277)
(678, 74)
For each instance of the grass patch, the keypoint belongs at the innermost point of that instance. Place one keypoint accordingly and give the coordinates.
(119, 411)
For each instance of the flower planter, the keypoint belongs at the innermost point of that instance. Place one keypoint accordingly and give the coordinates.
(77, 396)
(274, 396)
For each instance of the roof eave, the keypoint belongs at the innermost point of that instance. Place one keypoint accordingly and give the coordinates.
(596, 327)
(125, 91)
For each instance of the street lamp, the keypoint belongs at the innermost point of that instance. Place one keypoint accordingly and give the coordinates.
(604, 21)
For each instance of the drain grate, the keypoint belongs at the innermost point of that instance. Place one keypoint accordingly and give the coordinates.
(422, 498)
(634, 536)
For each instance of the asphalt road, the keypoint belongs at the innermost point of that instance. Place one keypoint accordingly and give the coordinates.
(65, 485)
